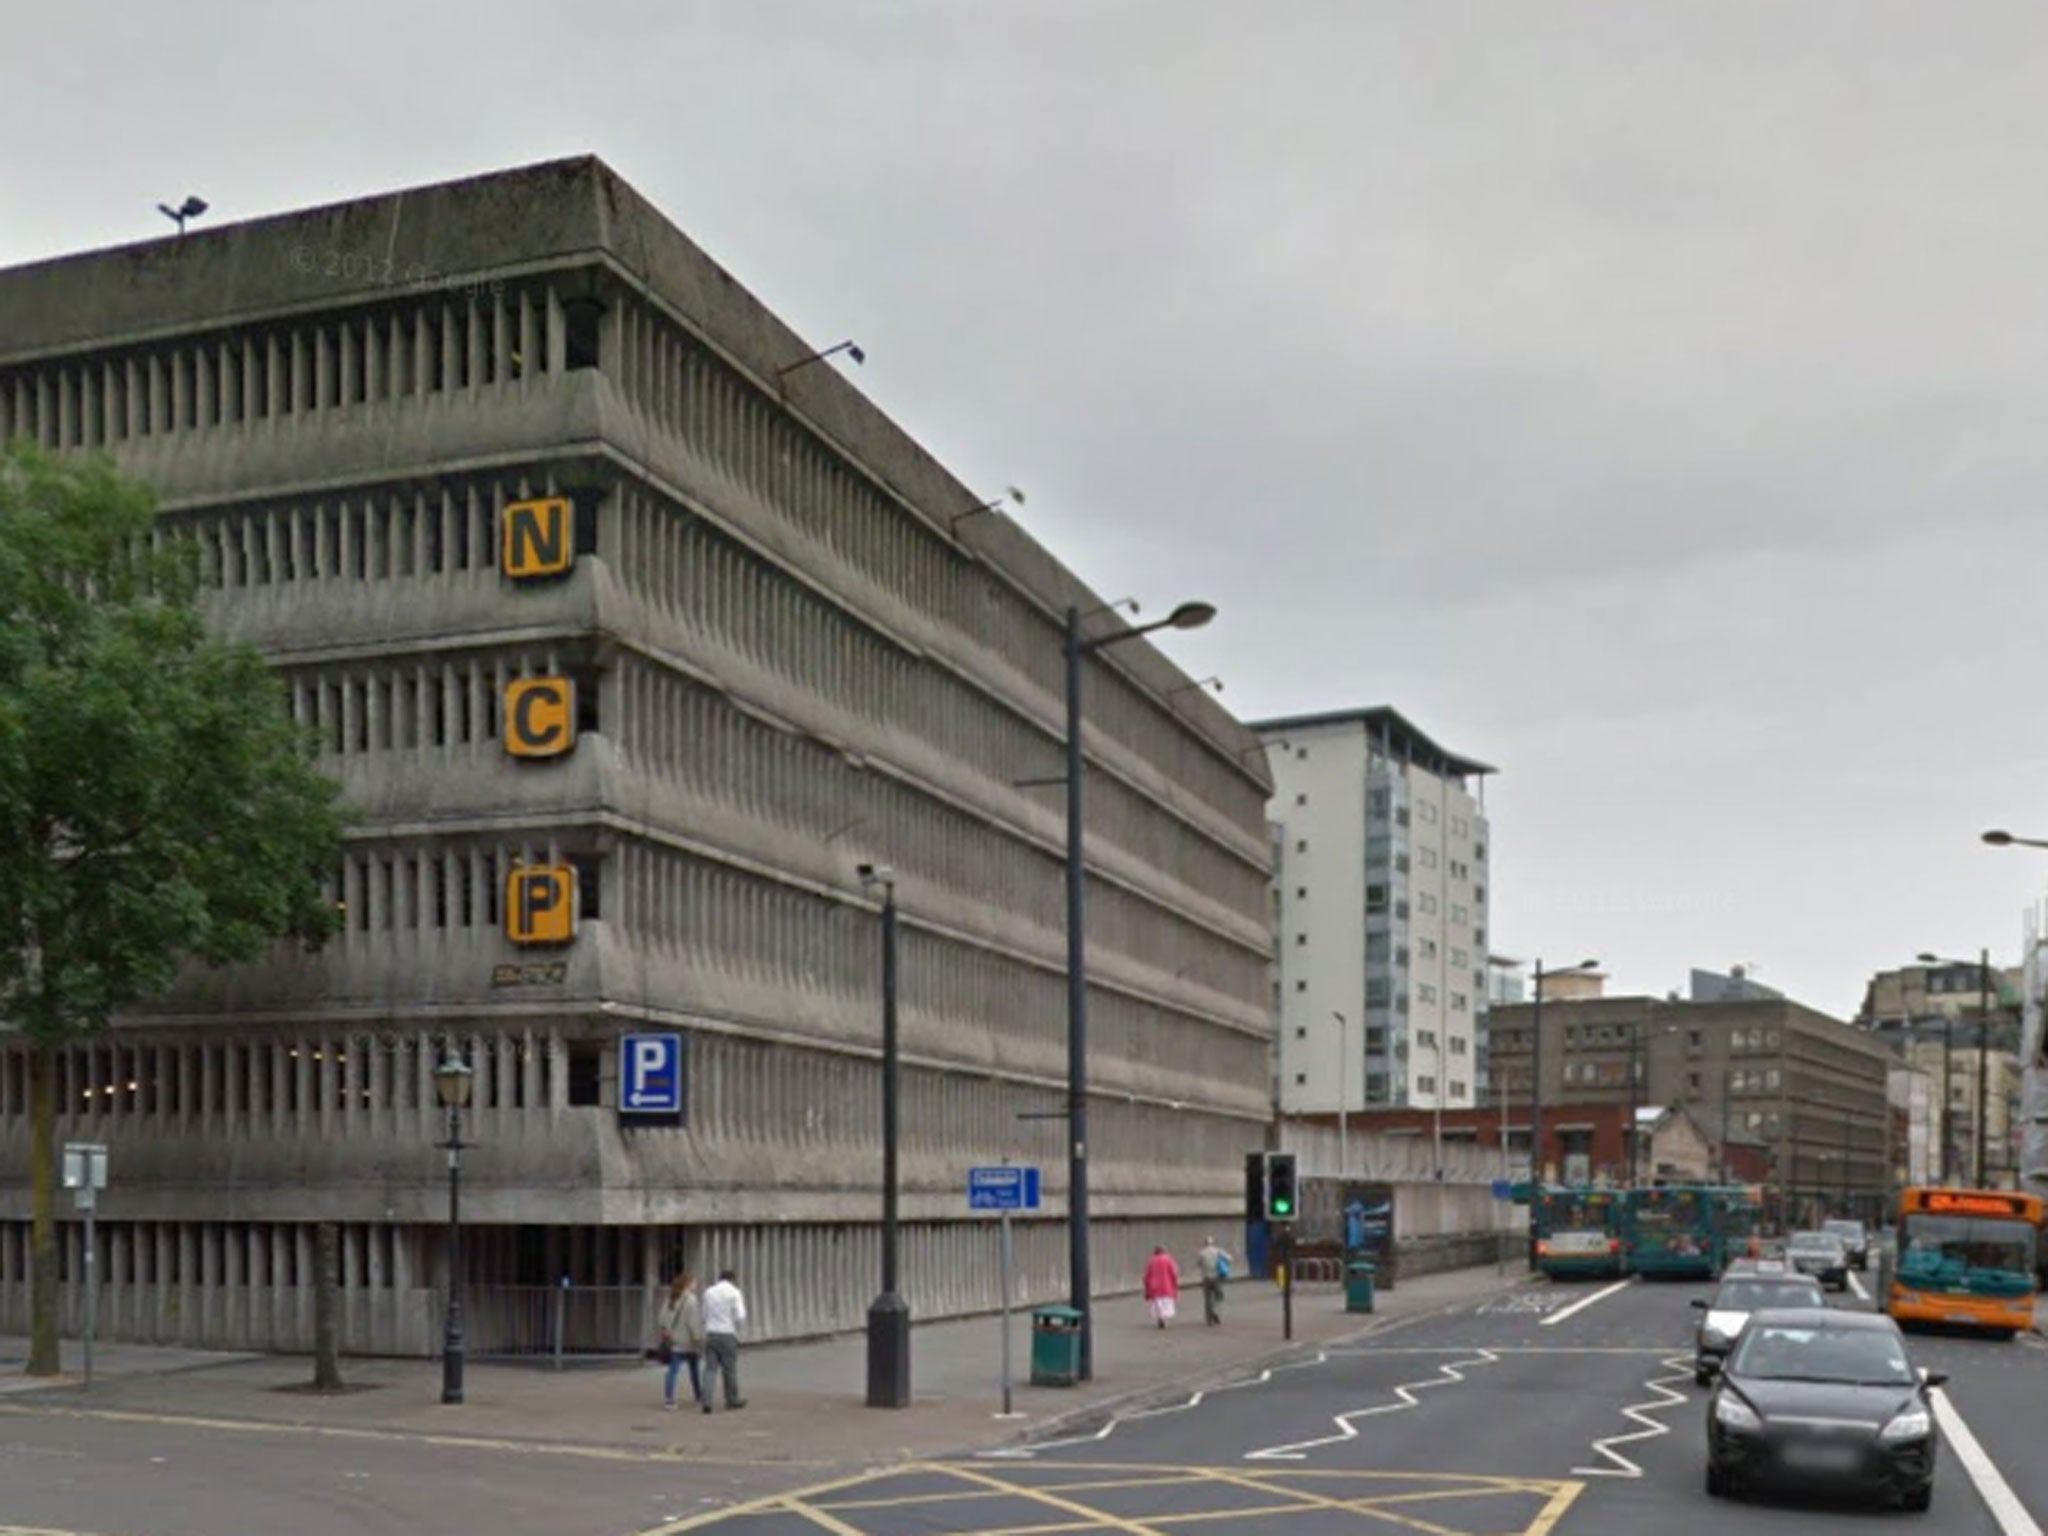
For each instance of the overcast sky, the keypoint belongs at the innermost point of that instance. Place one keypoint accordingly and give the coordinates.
(1648, 399)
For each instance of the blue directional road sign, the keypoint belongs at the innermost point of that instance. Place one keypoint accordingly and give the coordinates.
(1503, 1189)
(1002, 1189)
(651, 1075)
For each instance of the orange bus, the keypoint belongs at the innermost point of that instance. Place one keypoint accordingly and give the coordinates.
(1966, 1257)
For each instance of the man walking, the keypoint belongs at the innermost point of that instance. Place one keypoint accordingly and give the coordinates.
(1214, 1263)
(725, 1314)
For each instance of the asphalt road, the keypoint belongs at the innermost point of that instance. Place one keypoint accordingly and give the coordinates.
(1549, 1412)
(1552, 1411)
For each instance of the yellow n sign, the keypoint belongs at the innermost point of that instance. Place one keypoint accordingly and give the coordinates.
(540, 904)
(540, 716)
(539, 537)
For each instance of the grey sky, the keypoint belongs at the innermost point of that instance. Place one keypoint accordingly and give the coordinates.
(1645, 398)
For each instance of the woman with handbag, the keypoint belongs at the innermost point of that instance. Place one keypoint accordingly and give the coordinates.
(679, 1337)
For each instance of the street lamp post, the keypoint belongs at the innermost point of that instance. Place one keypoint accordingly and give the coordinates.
(1186, 616)
(1984, 995)
(1343, 1096)
(889, 1314)
(453, 1080)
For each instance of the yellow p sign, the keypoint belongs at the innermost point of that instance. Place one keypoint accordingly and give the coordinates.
(540, 716)
(540, 904)
(538, 537)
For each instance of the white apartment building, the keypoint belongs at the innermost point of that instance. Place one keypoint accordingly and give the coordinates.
(1380, 914)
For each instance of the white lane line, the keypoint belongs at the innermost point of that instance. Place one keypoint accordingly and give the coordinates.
(1856, 1285)
(1194, 1400)
(1448, 1374)
(2004, 1504)
(1584, 1302)
(1620, 1465)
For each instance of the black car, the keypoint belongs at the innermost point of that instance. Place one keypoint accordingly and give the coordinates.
(1854, 1239)
(1742, 1292)
(1813, 1399)
(1821, 1255)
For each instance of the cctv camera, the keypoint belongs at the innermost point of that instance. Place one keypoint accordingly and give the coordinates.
(870, 874)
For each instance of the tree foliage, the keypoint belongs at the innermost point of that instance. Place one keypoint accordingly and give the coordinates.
(157, 804)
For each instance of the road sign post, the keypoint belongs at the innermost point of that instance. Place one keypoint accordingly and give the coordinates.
(85, 1175)
(1004, 1190)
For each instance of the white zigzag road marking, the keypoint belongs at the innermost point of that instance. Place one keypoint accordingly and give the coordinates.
(1620, 1465)
(1448, 1374)
(1195, 1400)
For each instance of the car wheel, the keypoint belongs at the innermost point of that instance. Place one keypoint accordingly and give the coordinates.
(1916, 1501)
(1702, 1377)
(1719, 1485)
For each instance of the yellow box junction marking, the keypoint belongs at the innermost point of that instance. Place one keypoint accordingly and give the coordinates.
(1346, 1500)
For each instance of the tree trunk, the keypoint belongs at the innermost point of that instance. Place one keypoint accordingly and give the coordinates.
(327, 1308)
(43, 1358)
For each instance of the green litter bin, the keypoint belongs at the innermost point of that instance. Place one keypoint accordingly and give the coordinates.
(1358, 1276)
(1055, 1347)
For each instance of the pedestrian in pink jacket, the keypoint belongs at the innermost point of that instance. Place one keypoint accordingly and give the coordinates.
(1162, 1286)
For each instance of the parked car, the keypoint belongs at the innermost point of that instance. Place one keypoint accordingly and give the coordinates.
(1822, 1401)
(1821, 1255)
(1854, 1238)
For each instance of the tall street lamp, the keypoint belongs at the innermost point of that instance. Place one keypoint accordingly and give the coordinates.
(1078, 646)
(453, 1080)
(1536, 1093)
(889, 1316)
(1343, 1096)
(1948, 1046)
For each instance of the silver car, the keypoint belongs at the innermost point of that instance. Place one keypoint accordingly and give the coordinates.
(1821, 1255)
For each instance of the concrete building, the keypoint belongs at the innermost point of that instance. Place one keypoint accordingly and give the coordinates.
(1810, 1087)
(1381, 913)
(631, 629)
(1915, 1109)
(1944, 1024)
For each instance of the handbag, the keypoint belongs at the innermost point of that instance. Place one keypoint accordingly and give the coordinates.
(1223, 1266)
(662, 1352)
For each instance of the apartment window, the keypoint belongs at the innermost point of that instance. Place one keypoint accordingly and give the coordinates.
(1425, 1038)
(1459, 1002)
(1425, 993)
(1425, 1084)
(1379, 991)
(1458, 1044)
(1427, 947)
(1427, 812)
(1375, 1042)
(1376, 1087)
(1692, 1039)
(1460, 826)
(1771, 1078)
(1428, 857)
(1460, 915)
(1457, 1089)
(1461, 958)
(1376, 898)
(1479, 852)
(1692, 1082)
(1379, 803)
(1426, 902)
(1379, 946)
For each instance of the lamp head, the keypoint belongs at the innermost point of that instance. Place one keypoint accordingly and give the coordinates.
(1998, 838)
(453, 1080)
(1191, 615)
(1926, 959)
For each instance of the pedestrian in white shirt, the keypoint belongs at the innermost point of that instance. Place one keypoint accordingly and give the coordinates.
(725, 1314)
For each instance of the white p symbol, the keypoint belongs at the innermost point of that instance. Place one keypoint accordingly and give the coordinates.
(649, 1057)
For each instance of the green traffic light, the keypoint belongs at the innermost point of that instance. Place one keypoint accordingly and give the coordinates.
(1283, 1206)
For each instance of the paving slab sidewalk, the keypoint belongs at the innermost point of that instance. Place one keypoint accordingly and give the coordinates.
(805, 1401)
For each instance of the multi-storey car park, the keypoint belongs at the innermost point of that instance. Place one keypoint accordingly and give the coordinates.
(737, 635)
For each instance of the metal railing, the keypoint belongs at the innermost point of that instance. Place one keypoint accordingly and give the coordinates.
(559, 1324)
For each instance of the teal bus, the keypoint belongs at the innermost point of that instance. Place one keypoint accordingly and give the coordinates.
(1578, 1233)
(1677, 1229)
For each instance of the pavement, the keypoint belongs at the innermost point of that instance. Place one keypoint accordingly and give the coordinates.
(188, 1443)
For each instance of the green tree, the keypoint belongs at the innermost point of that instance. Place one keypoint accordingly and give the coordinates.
(157, 804)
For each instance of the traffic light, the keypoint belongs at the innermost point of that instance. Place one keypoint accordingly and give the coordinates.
(1281, 1203)
(1255, 1186)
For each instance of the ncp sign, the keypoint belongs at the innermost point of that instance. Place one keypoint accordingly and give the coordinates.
(540, 904)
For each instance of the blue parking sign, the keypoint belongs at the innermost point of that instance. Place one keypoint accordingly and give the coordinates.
(651, 1075)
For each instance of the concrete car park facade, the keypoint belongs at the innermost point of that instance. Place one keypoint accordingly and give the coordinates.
(738, 636)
